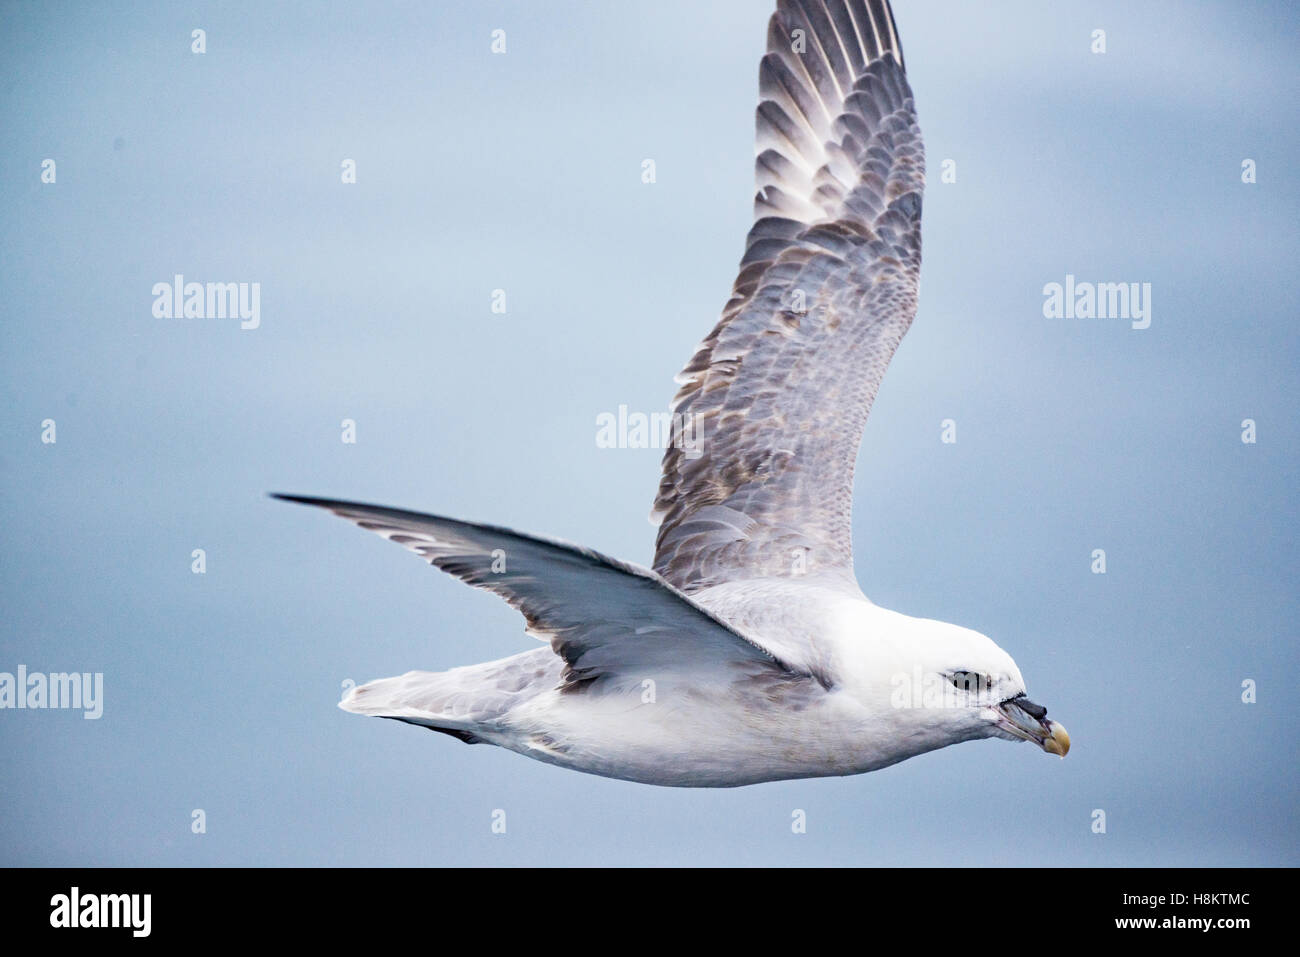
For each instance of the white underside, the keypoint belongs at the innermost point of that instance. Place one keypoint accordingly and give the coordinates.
(676, 729)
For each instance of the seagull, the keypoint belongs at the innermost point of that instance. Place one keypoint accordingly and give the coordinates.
(748, 653)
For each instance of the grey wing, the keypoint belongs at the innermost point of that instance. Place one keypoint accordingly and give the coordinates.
(602, 616)
(778, 393)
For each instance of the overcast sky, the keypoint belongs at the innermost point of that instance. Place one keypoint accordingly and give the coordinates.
(522, 171)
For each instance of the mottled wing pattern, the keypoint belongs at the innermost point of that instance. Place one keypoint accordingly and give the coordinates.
(602, 616)
(779, 392)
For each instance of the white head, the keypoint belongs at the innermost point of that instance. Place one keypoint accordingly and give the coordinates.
(936, 684)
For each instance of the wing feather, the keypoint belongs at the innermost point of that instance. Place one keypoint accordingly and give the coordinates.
(602, 616)
(779, 392)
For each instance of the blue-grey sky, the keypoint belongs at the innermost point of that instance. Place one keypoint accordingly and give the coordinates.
(479, 171)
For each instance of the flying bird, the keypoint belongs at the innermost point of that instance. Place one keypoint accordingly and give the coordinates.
(748, 653)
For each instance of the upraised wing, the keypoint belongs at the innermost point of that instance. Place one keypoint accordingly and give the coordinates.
(779, 392)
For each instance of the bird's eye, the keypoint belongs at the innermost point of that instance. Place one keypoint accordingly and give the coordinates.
(968, 680)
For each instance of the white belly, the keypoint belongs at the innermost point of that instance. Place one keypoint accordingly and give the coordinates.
(686, 737)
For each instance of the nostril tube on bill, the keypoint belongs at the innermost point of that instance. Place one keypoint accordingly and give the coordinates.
(1035, 711)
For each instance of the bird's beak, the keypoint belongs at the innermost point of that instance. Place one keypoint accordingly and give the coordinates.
(1022, 718)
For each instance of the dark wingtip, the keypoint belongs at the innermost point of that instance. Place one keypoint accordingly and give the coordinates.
(299, 499)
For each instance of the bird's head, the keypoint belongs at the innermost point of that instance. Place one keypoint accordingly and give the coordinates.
(954, 684)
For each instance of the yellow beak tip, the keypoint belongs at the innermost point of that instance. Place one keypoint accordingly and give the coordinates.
(1058, 742)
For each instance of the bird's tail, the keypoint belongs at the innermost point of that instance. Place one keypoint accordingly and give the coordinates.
(466, 703)
(417, 697)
